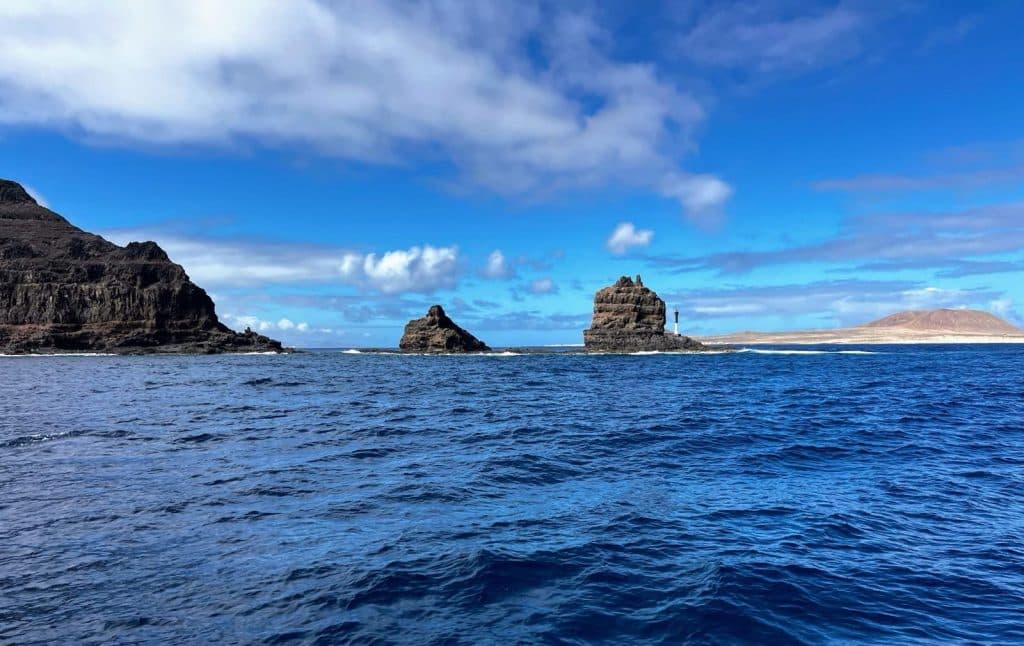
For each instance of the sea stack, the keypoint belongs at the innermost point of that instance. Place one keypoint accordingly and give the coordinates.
(435, 332)
(629, 317)
(65, 290)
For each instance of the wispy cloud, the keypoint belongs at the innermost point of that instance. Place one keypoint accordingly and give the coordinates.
(518, 99)
(837, 302)
(754, 35)
(953, 168)
(543, 286)
(626, 236)
(37, 196)
(926, 239)
(880, 183)
(497, 266)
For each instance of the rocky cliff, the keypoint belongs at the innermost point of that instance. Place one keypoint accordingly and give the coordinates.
(62, 289)
(435, 332)
(629, 317)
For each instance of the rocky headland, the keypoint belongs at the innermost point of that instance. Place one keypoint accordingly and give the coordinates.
(629, 317)
(65, 290)
(435, 332)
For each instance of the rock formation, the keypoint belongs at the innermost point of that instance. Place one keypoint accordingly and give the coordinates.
(629, 317)
(62, 289)
(435, 332)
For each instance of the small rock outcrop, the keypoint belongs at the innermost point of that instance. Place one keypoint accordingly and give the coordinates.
(435, 332)
(65, 290)
(629, 317)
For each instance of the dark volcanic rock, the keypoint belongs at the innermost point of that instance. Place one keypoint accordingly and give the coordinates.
(62, 289)
(629, 317)
(435, 332)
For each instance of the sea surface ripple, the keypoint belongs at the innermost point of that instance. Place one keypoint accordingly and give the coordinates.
(332, 497)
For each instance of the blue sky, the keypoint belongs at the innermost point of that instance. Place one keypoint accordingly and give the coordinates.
(327, 170)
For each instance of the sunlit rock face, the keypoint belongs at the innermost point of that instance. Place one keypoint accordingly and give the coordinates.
(629, 317)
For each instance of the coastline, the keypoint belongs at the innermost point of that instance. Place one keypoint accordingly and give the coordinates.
(858, 336)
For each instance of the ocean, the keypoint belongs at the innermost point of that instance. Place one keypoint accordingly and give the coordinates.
(846, 494)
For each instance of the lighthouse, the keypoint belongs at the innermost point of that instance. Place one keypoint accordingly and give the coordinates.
(677, 323)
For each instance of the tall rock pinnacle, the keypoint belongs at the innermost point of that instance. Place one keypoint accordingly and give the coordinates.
(629, 317)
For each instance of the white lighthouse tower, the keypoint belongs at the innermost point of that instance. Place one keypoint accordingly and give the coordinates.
(677, 323)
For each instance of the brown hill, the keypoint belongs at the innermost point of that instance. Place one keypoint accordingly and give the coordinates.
(947, 320)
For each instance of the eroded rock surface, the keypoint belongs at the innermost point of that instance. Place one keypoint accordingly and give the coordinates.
(435, 332)
(629, 317)
(62, 289)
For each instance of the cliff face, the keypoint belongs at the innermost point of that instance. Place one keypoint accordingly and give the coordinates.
(629, 317)
(435, 332)
(62, 289)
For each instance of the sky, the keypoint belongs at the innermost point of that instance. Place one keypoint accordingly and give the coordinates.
(328, 170)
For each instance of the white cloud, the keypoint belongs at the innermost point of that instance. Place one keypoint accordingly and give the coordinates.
(926, 298)
(416, 269)
(497, 266)
(754, 35)
(286, 330)
(519, 100)
(626, 237)
(543, 286)
(217, 262)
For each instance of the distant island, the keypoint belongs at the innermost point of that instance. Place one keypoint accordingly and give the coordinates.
(65, 290)
(915, 326)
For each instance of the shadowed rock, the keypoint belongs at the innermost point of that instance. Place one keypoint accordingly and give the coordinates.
(62, 289)
(435, 332)
(629, 317)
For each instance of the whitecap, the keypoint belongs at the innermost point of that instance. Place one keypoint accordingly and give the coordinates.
(801, 352)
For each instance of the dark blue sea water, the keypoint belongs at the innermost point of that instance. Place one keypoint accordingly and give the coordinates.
(328, 497)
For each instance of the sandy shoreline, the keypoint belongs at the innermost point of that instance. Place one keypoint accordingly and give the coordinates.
(854, 336)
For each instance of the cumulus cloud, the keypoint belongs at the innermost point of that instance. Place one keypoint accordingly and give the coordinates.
(517, 99)
(217, 262)
(261, 325)
(626, 237)
(416, 269)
